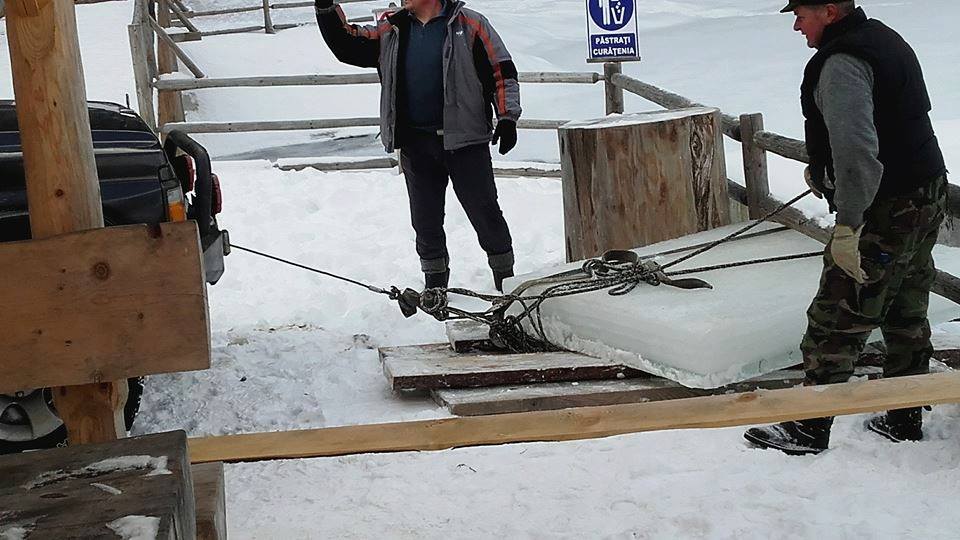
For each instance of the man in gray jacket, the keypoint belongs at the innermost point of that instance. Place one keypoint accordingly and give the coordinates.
(444, 71)
(874, 156)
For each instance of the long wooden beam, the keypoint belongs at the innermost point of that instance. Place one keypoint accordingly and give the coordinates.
(322, 123)
(760, 407)
(546, 77)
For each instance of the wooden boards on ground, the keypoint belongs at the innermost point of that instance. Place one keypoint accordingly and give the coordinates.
(760, 407)
(545, 397)
(102, 305)
(92, 491)
(438, 366)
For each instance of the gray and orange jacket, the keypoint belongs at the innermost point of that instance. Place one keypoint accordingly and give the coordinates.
(479, 76)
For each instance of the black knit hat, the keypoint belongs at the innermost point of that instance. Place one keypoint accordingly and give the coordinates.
(794, 4)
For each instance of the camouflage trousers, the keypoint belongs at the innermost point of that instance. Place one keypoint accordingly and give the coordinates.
(896, 249)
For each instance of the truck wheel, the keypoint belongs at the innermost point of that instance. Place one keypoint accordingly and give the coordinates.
(30, 421)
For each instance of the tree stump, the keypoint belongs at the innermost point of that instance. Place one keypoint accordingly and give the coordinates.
(638, 179)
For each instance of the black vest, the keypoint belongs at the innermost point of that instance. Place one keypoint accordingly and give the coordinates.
(909, 150)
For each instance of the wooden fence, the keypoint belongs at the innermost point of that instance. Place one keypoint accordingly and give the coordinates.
(748, 129)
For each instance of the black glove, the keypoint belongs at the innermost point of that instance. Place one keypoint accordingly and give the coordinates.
(506, 134)
(323, 4)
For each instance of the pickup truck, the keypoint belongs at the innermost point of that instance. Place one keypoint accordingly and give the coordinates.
(141, 181)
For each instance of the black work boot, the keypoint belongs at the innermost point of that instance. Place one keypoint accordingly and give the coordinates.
(898, 425)
(499, 276)
(436, 280)
(799, 438)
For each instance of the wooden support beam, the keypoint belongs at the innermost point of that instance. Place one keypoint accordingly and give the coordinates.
(760, 407)
(429, 367)
(267, 19)
(182, 16)
(141, 72)
(78, 492)
(169, 104)
(103, 305)
(754, 164)
(63, 192)
(177, 51)
(613, 93)
(210, 496)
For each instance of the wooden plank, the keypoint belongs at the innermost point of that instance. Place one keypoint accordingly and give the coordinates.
(544, 397)
(760, 407)
(103, 305)
(210, 497)
(438, 366)
(75, 492)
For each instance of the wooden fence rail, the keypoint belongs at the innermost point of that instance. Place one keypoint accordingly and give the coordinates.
(319, 123)
(343, 79)
(669, 100)
(247, 9)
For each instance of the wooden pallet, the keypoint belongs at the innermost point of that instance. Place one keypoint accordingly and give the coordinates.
(544, 397)
(432, 367)
(467, 378)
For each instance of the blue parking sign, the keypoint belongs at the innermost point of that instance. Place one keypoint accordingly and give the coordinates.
(612, 31)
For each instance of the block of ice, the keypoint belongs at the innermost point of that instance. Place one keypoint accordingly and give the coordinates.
(749, 324)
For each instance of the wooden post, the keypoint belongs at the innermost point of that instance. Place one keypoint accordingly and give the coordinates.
(267, 20)
(754, 164)
(613, 93)
(169, 104)
(141, 73)
(62, 187)
(641, 178)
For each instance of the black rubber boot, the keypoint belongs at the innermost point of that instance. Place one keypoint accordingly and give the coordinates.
(499, 276)
(801, 438)
(436, 280)
(898, 425)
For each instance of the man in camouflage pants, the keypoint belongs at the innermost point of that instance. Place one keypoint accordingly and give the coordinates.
(874, 156)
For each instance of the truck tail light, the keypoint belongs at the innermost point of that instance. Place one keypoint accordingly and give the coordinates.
(217, 195)
(176, 204)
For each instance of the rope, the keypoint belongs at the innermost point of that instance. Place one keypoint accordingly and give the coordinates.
(619, 276)
(371, 288)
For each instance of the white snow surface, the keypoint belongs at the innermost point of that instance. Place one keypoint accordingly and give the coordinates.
(296, 350)
(135, 527)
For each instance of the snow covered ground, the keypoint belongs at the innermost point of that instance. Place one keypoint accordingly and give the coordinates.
(295, 350)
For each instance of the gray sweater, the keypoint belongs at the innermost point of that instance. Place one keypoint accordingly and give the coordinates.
(845, 97)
